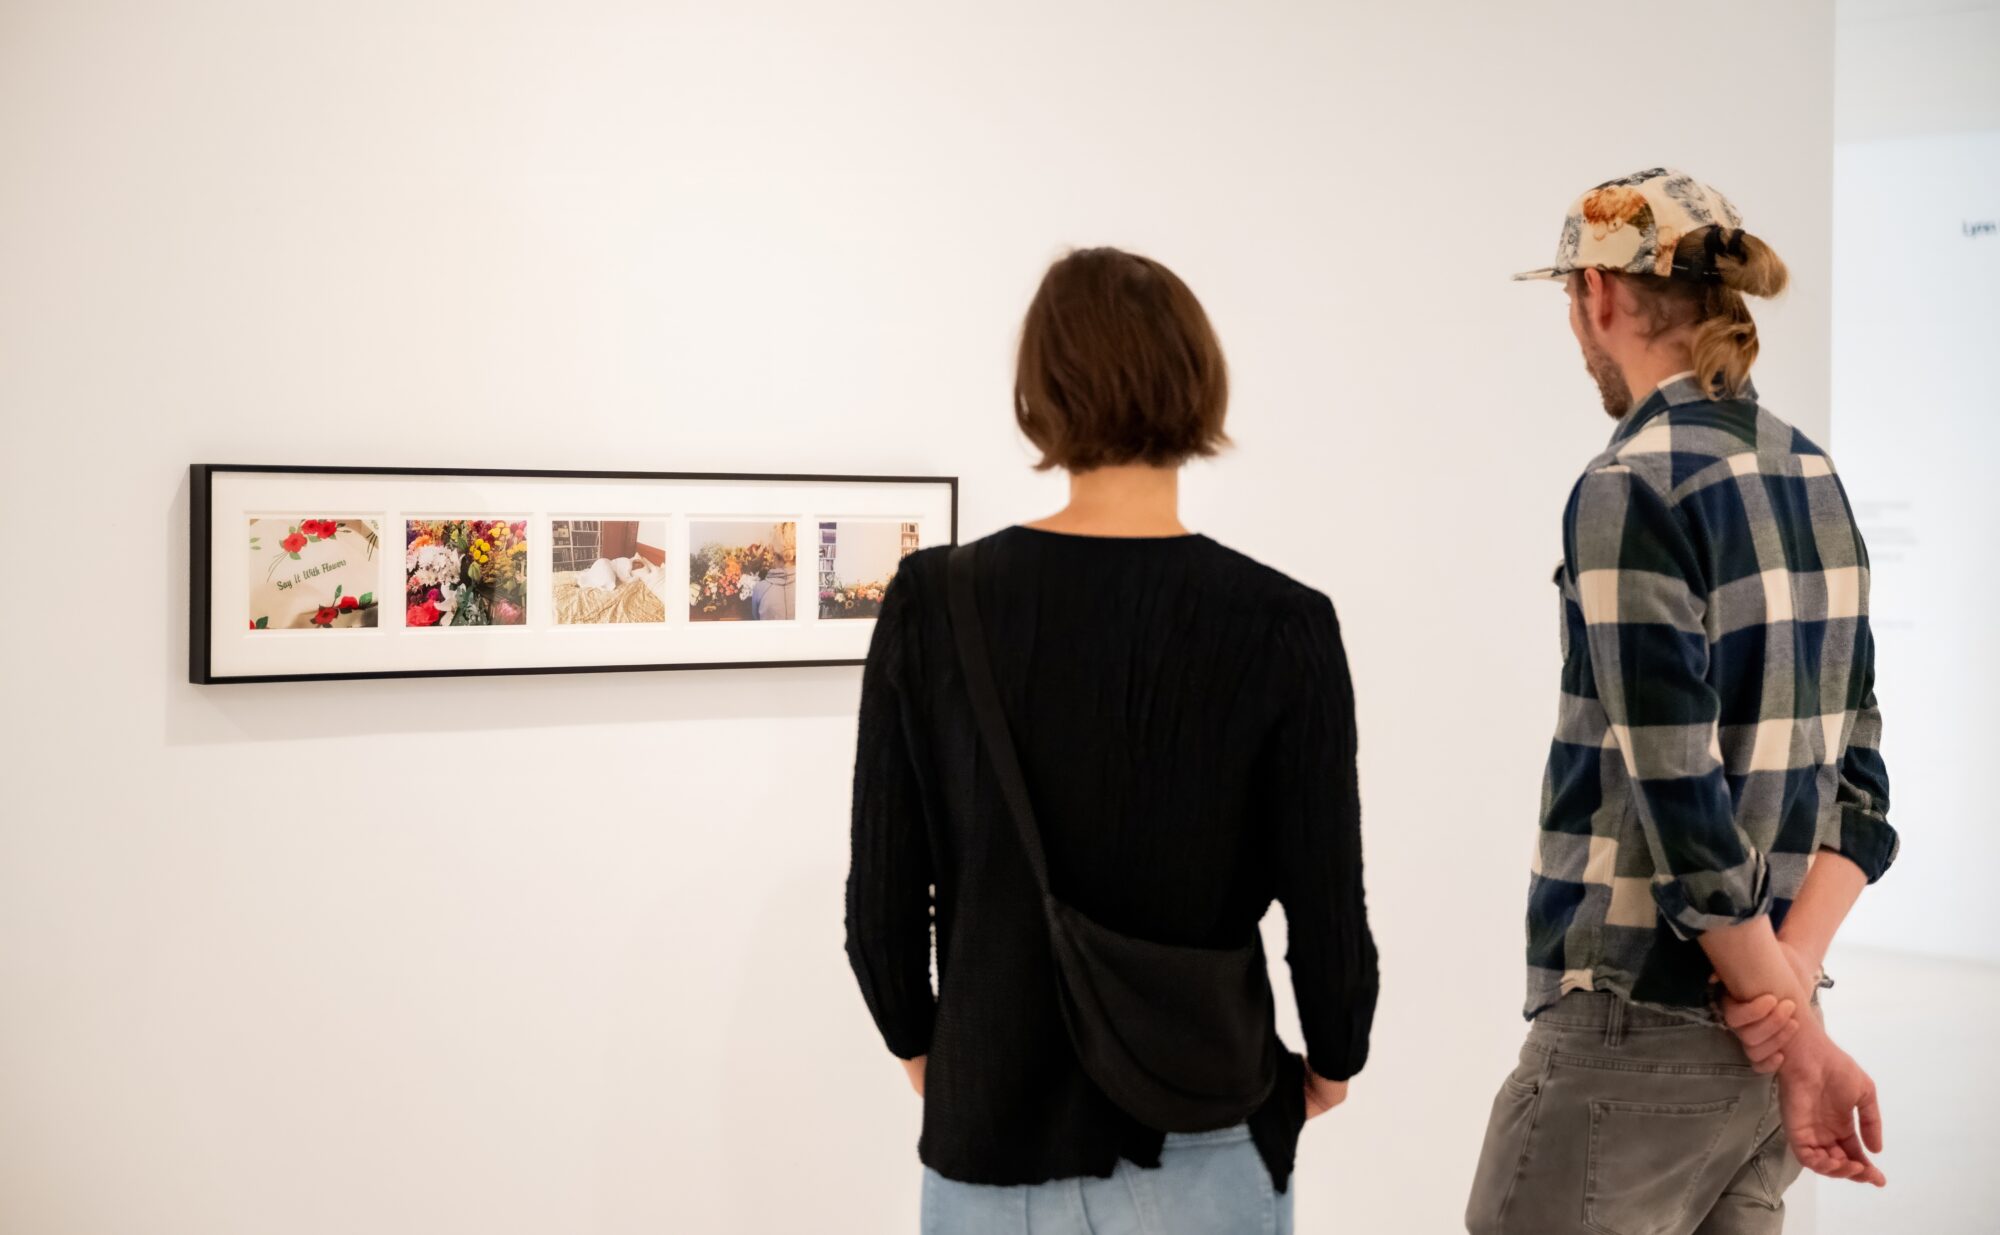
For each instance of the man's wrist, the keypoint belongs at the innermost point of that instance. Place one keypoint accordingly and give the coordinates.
(1809, 1048)
(1811, 954)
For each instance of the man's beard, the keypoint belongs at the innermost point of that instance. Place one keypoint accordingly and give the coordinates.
(1610, 380)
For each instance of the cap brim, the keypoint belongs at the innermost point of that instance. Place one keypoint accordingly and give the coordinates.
(1546, 272)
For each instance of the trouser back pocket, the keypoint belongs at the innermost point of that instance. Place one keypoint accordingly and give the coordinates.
(1645, 1161)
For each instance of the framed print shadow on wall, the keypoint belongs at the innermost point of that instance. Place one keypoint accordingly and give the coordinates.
(305, 574)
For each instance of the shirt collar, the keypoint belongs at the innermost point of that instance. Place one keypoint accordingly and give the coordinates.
(1676, 391)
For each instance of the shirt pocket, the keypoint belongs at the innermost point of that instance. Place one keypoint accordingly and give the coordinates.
(1645, 1160)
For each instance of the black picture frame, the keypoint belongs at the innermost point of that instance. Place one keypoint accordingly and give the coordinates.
(201, 491)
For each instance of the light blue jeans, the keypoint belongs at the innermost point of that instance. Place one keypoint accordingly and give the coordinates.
(1207, 1183)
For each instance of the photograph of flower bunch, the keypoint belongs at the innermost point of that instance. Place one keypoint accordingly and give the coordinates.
(466, 572)
(742, 571)
(857, 558)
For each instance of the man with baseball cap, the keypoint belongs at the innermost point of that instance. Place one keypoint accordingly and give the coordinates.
(1715, 800)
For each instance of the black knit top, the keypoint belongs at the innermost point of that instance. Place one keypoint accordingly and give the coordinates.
(1186, 728)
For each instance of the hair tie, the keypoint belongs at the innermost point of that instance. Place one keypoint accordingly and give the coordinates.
(1721, 241)
(1716, 243)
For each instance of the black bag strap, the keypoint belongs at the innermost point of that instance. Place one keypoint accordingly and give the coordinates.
(979, 684)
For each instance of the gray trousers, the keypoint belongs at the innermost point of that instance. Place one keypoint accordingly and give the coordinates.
(1624, 1121)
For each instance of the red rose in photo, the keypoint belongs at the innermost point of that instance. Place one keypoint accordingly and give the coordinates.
(350, 602)
(322, 528)
(293, 543)
(425, 614)
(325, 615)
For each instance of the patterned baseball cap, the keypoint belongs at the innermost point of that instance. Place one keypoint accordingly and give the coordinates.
(1632, 224)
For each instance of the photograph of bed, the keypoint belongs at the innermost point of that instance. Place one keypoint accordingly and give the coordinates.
(609, 571)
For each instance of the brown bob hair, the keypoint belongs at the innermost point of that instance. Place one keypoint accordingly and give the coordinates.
(1118, 364)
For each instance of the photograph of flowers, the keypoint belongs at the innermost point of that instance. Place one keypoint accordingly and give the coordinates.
(312, 573)
(742, 571)
(565, 572)
(466, 572)
(857, 558)
(608, 571)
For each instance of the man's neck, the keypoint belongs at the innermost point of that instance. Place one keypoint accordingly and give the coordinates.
(1652, 368)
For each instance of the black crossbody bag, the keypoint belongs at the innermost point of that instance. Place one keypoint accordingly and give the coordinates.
(1179, 1038)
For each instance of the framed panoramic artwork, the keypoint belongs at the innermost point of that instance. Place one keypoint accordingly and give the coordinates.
(302, 573)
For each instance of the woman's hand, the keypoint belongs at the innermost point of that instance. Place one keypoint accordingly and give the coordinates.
(1322, 1095)
(915, 1067)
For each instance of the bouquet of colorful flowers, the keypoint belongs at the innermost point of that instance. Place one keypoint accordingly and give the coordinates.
(722, 579)
(466, 572)
(851, 600)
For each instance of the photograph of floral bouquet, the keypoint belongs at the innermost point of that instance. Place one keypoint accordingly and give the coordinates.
(742, 571)
(466, 572)
(857, 558)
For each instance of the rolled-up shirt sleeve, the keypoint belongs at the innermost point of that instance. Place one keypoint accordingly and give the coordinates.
(1865, 837)
(1638, 575)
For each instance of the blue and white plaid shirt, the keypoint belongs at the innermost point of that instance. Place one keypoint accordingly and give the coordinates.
(1718, 724)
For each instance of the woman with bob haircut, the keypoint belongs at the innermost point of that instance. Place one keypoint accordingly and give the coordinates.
(1093, 749)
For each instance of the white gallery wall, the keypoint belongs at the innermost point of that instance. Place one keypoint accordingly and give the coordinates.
(1916, 266)
(330, 958)
(1916, 365)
